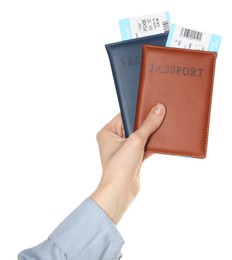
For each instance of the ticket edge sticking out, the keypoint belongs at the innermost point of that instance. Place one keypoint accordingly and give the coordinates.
(214, 43)
(125, 26)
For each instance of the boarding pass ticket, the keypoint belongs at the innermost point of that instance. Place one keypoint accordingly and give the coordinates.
(145, 25)
(187, 38)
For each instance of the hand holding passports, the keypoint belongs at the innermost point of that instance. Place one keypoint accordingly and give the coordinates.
(181, 79)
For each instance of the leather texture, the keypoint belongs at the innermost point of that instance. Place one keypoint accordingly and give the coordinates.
(183, 81)
(125, 61)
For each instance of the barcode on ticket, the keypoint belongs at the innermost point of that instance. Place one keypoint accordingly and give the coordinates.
(166, 26)
(191, 34)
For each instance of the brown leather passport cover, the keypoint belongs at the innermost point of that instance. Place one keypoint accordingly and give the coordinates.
(182, 80)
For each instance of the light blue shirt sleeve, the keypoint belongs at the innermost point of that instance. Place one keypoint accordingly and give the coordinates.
(86, 234)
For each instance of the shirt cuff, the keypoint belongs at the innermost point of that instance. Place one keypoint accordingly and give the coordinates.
(88, 233)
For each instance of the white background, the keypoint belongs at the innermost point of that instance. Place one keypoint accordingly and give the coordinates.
(57, 91)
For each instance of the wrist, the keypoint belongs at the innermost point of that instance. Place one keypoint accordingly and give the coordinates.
(112, 201)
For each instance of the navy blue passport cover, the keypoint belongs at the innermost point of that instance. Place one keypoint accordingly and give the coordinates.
(125, 60)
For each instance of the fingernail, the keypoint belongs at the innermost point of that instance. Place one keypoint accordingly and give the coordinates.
(158, 110)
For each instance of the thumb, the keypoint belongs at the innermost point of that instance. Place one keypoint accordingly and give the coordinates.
(151, 123)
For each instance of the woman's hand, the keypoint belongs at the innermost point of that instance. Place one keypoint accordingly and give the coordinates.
(121, 160)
